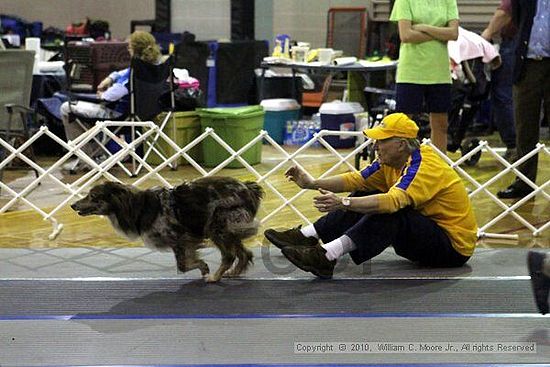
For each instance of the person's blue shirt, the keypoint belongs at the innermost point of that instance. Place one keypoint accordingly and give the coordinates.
(118, 92)
(539, 41)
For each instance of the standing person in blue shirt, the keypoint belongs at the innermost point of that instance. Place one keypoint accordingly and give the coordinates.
(423, 75)
(502, 28)
(531, 90)
(112, 91)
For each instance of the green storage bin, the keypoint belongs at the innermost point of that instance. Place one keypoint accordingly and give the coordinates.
(237, 126)
(183, 127)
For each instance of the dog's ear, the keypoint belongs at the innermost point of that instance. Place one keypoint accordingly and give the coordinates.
(122, 205)
(111, 187)
(135, 210)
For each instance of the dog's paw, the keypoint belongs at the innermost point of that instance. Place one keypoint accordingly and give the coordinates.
(211, 278)
(231, 274)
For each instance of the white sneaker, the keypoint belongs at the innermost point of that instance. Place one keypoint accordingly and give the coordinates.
(100, 159)
(77, 165)
(71, 165)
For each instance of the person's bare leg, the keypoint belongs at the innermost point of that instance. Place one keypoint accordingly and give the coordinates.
(438, 126)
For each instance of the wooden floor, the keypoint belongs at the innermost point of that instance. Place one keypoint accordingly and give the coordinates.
(22, 227)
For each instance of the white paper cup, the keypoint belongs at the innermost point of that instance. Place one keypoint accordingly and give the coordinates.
(299, 53)
(325, 55)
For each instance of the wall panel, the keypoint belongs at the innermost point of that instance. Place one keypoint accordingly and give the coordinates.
(60, 13)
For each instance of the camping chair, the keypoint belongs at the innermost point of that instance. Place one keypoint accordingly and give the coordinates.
(100, 142)
(15, 85)
(86, 64)
(147, 83)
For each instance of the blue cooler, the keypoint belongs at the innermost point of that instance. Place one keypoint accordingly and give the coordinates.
(339, 116)
(277, 112)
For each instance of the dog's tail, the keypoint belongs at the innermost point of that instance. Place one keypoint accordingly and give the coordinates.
(255, 189)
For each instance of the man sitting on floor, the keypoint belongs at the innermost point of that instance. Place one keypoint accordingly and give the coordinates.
(410, 199)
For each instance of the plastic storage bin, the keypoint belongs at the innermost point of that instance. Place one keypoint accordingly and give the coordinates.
(339, 116)
(182, 128)
(277, 112)
(237, 126)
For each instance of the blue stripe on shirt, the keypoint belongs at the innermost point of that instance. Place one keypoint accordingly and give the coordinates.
(370, 170)
(416, 159)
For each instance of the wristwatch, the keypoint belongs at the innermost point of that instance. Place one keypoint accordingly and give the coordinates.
(346, 201)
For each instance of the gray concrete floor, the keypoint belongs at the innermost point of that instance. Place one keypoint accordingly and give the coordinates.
(65, 340)
(269, 263)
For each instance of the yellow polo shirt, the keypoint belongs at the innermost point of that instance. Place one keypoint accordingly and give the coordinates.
(430, 186)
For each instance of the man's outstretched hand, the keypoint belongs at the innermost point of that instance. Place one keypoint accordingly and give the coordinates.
(327, 201)
(303, 179)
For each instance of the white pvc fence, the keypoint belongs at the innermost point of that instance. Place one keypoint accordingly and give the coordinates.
(151, 132)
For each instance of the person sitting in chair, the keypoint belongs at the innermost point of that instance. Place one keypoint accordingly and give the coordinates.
(112, 93)
(412, 200)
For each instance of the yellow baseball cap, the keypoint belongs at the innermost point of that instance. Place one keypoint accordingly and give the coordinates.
(396, 125)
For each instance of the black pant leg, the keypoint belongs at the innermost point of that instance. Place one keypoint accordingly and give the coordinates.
(372, 234)
(413, 236)
(334, 224)
(423, 241)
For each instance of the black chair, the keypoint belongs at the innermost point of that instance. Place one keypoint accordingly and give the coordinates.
(147, 84)
(100, 142)
(16, 116)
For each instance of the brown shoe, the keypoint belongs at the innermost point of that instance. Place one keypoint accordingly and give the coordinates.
(311, 259)
(291, 237)
(539, 281)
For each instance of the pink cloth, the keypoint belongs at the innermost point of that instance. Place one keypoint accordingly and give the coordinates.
(189, 83)
(470, 45)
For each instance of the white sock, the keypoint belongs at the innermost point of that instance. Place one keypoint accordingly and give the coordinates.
(339, 247)
(309, 231)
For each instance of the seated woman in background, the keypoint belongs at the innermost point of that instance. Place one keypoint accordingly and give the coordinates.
(113, 93)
